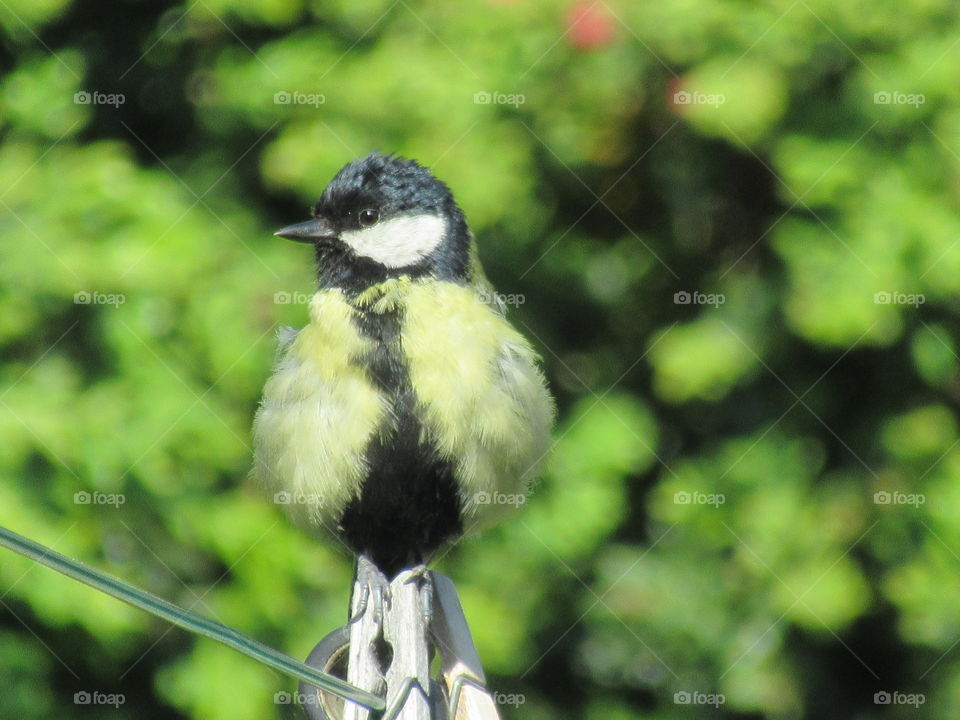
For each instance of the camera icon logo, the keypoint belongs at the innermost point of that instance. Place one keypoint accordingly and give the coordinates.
(282, 98)
(282, 498)
(482, 98)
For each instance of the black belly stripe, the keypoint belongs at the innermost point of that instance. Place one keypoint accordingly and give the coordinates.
(408, 505)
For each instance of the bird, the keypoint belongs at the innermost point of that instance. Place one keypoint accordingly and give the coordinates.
(409, 410)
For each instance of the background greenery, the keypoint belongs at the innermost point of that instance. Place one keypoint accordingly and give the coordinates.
(786, 185)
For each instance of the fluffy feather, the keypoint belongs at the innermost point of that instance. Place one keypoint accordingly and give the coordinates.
(317, 414)
(480, 395)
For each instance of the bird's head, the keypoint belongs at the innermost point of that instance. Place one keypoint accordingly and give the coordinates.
(383, 216)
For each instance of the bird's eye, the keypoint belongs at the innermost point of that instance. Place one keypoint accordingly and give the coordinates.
(368, 217)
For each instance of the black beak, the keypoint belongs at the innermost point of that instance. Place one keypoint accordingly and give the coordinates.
(309, 231)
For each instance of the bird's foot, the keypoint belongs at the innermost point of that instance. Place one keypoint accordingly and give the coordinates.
(420, 575)
(373, 585)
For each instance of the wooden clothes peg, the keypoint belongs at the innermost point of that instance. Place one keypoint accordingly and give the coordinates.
(462, 671)
(393, 657)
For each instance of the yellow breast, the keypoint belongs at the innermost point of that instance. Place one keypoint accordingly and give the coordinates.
(317, 414)
(481, 395)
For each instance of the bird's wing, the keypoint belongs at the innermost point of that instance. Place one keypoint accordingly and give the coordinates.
(317, 414)
(482, 396)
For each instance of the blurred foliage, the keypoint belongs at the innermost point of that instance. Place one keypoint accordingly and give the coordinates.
(735, 227)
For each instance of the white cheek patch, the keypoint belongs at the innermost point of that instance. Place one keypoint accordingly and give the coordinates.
(398, 242)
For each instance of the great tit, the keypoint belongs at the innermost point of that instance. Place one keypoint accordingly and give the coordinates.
(408, 411)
